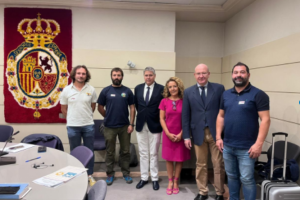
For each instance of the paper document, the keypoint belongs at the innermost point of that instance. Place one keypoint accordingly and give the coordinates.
(60, 176)
(18, 147)
(47, 182)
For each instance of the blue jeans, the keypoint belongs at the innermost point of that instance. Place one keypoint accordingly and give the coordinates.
(75, 133)
(239, 168)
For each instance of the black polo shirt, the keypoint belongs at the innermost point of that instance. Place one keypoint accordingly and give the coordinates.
(116, 100)
(241, 124)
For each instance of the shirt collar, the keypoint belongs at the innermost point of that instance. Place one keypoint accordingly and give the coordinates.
(198, 85)
(85, 85)
(247, 89)
(151, 86)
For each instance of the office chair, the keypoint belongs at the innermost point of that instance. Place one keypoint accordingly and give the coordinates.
(5, 132)
(262, 171)
(98, 191)
(83, 154)
(99, 140)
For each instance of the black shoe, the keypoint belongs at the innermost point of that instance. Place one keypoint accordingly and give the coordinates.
(155, 185)
(219, 197)
(141, 184)
(201, 197)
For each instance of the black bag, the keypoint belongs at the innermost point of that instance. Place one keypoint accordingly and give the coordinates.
(133, 157)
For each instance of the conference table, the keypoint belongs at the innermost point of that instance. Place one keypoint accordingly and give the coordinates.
(24, 172)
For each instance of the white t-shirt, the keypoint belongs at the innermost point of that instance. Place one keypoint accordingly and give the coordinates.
(80, 111)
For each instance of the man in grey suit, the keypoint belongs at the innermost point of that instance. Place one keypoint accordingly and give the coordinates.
(201, 103)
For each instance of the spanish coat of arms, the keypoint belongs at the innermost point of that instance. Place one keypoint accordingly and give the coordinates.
(37, 70)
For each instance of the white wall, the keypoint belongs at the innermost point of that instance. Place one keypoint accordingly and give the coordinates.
(261, 22)
(123, 30)
(195, 43)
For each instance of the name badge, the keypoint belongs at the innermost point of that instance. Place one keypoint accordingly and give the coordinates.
(241, 102)
(112, 95)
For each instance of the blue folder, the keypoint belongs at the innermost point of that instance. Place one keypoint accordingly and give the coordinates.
(23, 186)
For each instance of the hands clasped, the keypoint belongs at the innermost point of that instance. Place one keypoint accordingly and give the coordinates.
(174, 138)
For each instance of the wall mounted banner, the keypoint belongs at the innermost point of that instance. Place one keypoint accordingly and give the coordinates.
(37, 62)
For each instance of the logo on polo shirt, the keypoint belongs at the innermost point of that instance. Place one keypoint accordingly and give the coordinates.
(123, 94)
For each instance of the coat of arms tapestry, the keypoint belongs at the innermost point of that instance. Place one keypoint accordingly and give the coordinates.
(37, 62)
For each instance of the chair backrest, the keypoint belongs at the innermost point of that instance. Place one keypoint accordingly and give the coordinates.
(293, 151)
(99, 140)
(43, 139)
(83, 154)
(5, 132)
(50, 143)
(98, 191)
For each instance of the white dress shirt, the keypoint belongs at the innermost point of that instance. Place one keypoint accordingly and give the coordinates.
(150, 92)
(205, 88)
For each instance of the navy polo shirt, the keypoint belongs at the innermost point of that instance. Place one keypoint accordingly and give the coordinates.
(241, 124)
(116, 100)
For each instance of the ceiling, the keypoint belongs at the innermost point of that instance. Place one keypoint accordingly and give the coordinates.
(181, 2)
(186, 10)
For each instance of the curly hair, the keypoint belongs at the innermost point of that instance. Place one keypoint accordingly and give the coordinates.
(180, 85)
(73, 73)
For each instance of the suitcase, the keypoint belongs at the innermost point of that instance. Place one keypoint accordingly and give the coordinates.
(279, 189)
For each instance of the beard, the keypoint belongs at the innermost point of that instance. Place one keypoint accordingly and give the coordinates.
(242, 83)
(117, 81)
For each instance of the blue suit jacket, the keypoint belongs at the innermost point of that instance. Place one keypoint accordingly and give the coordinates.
(194, 112)
(148, 113)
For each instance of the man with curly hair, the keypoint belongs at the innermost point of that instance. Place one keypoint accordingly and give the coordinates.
(78, 102)
(201, 103)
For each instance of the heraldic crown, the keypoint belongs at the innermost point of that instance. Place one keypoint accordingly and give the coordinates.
(38, 36)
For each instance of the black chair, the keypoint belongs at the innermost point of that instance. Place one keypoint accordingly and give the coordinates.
(293, 152)
(43, 139)
(99, 140)
(5, 132)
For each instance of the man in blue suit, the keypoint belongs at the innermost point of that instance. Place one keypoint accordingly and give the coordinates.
(148, 129)
(201, 104)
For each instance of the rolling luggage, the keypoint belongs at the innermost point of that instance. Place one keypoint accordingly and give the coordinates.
(279, 189)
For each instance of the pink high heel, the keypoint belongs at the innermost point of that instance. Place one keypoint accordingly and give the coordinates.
(169, 191)
(175, 190)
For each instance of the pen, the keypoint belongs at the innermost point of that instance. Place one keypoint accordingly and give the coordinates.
(33, 159)
(16, 147)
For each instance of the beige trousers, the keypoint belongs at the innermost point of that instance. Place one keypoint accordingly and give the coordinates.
(201, 165)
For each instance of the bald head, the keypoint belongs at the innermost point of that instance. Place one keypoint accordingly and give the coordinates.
(201, 74)
(202, 67)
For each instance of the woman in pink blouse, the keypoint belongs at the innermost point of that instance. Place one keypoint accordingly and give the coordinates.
(173, 149)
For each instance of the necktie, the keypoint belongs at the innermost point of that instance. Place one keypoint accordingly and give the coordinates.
(203, 97)
(147, 95)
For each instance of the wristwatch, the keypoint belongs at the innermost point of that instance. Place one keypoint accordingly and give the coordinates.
(131, 125)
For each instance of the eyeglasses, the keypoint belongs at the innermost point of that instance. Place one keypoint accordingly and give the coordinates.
(174, 105)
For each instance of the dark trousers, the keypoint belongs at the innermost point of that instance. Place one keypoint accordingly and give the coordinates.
(110, 135)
